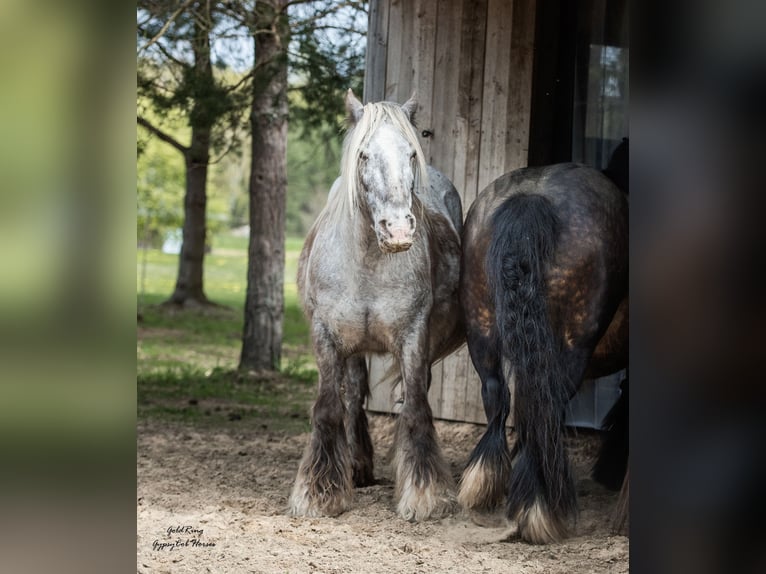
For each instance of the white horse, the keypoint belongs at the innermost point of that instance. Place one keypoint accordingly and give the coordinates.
(378, 273)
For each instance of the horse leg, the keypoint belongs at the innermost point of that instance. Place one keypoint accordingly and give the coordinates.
(616, 457)
(357, 430)
(423, 480)
(485, 478)
(542, 498)
(612, 461)
(324, 484)
(620, 515)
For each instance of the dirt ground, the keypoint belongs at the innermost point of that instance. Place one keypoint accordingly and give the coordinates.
(214, 500)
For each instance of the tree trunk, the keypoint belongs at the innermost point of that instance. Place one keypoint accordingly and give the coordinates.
(264, 303)
(189, 283)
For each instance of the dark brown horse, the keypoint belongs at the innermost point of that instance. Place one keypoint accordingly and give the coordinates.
(544, 289)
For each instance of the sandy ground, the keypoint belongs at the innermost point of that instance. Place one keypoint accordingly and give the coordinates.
(225, 490)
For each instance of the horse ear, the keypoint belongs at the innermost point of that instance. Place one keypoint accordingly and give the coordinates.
(354, 108)
(410, 107)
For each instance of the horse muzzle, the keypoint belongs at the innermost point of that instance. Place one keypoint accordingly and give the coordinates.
(388, 246)
(396, 236)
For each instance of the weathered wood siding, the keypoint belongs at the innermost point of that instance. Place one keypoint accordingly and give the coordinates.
(470, 62)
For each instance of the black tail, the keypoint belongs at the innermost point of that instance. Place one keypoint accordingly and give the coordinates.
(525, 234)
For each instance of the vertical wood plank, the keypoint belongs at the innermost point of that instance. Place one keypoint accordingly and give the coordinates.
(454, 387)
(474, 406)
(377, 52)
(494, 122)
(394, 70)
(446, 78)
(409, 43)
(423, 83)
(436, 391)
(470, 100)
(440, 153)
(459, 372)
(520, 96)
(383, 396)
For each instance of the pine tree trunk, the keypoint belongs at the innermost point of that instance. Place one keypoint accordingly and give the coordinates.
(189, 283)
(264, 303)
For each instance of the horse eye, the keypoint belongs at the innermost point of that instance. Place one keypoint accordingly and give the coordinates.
(363, 156)
(413, 155)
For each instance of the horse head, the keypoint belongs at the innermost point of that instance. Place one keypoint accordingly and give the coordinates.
(387, 167)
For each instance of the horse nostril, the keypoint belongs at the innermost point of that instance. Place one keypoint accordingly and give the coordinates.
(411, 221)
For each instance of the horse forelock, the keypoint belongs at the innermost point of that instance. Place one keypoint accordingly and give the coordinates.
(357, 138)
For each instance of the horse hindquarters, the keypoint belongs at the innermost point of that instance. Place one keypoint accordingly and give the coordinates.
(541, 495)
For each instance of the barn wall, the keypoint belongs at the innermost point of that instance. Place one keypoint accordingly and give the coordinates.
(470, 62)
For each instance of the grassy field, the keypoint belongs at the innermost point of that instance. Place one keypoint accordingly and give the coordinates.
(187, 359)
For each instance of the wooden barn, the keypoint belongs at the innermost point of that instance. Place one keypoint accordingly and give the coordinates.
(501, 84)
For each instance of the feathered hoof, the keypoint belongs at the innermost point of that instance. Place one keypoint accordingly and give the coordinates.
(539, 526)
(482, 487)
(363, 475)
(419, 503)
(314, 500)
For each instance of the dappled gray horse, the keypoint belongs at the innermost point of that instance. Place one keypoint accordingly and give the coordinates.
(379, 273)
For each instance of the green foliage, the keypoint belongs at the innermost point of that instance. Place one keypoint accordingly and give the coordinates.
(160, 187)
(313, 157)
(176, 73)
(327, 59)
(160, 191)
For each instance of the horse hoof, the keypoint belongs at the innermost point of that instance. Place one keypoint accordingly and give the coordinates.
(539, 526)
(363, 477)
(481, 487)
(417, 504)
(331, 502)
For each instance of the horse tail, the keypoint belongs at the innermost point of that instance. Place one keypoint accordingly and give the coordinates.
(541, 494)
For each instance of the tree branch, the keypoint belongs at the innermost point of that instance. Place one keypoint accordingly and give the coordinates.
(167, 138)
(349, 3)
(321, 13)
(169, 56)
(166, 25)
(241, 81)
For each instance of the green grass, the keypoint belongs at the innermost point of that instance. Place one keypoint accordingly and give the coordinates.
(219, 397)
(187, 359)
(229, 241)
